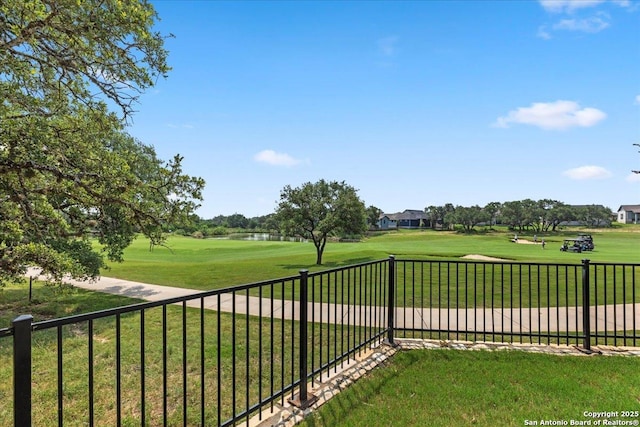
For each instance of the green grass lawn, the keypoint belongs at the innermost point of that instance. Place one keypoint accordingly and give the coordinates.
(460, 388)
(211, 263)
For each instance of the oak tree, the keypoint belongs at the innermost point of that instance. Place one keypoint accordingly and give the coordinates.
(317, 211)
(469, 217)
(70, 75)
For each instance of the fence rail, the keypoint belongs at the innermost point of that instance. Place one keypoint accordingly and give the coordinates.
(224, 356)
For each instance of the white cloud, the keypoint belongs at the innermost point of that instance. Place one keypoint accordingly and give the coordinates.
(270, 157)
(552, 116)
(599, 20)
(633, 177)
(622, 3)
(543, 33)
(558, 6)
(593, 24)
(638, 99)
(387, 45)
(587, 172)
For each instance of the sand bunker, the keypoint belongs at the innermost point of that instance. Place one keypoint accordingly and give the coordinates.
(526, 242)
(483, 258)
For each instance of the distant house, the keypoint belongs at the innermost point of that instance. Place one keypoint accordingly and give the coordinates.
(629, 214)
(386, 221)
(410, 218)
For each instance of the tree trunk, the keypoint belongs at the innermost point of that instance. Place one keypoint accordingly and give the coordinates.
(320, 249)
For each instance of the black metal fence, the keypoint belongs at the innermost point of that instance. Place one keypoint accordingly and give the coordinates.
(213, 358)
(225, 356)
(573, 304)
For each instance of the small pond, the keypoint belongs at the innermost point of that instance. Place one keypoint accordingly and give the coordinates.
(263, 237)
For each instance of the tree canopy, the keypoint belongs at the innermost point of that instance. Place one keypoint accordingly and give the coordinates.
(316, 211)
(468, 217)
(69, 171)
(373, 215)
(535, 215)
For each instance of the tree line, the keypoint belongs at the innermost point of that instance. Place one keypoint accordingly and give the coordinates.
(221, 225)
(521, 215)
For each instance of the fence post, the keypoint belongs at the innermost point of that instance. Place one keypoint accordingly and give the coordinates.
(586, 309)
(22, 370)
(391, 306)
(304, 398)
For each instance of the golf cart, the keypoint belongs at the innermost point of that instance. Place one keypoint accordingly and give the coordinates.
(586, 241)
(573, 245)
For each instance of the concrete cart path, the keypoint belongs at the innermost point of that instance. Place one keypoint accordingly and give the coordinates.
(553, 319)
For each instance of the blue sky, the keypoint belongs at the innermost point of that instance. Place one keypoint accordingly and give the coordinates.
(413, 103)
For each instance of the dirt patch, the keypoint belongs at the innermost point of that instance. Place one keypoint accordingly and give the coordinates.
(483, 258)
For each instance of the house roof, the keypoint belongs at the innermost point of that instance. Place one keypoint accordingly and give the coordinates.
(629, 208)
(408, 214)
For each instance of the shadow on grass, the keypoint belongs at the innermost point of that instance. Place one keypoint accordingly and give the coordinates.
(49, 302)
(54, 302)
(330, 264)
